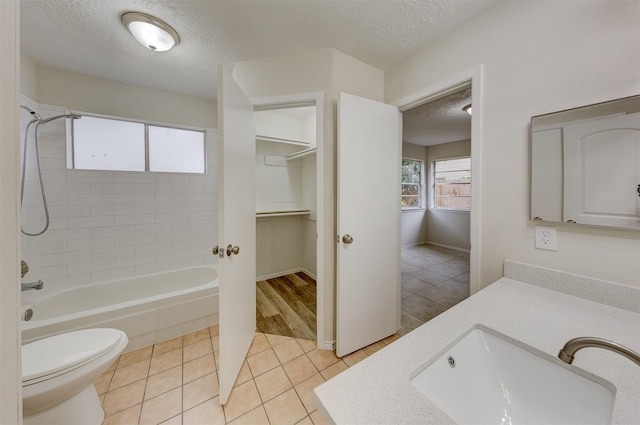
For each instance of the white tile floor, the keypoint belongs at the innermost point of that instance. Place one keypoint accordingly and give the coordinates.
(175, 382)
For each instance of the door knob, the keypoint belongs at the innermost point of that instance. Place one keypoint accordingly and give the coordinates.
(347, 239)
(217, 251)
(232, 250)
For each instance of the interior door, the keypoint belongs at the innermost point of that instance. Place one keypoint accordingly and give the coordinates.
(368, 222)
(601, 166)
(237, 228)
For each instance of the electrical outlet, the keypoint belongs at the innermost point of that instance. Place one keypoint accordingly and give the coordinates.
(546, 238)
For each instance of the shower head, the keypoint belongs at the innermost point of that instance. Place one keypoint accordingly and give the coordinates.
(36, 116)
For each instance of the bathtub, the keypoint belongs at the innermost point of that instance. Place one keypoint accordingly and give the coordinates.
(149, 308)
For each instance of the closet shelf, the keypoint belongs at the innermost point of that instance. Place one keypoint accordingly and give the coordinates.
(296, 142)
(301, 154)
(282, 213)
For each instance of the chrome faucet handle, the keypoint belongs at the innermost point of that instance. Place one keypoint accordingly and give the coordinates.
(24, 267)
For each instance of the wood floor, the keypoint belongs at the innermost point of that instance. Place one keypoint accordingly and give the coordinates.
(286, 306)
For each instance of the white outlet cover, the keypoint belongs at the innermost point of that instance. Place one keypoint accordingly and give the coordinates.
(546, 237)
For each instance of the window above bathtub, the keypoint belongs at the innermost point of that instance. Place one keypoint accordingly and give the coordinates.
(116, 144)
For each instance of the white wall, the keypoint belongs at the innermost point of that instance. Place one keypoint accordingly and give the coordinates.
(413, 225)
(327, 71)
(85, 93)
(537, 57)
(28, 76)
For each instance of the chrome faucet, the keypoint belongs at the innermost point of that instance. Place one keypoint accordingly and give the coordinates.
(569, 350)
(33, 285)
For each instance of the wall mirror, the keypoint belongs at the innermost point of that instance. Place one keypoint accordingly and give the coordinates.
(585, 165)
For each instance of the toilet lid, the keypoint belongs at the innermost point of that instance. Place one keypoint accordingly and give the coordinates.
(66, 351)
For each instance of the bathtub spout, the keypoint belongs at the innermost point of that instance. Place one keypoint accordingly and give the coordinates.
(33, 285)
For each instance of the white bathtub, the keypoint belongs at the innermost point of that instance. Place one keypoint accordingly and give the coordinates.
(149, 308)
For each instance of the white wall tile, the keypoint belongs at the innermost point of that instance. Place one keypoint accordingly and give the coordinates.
(79, 245)
(109, 225)
(58, 259)
(105, 232)
(91, 266)
(101, 254)
(135, 260)
(126, 177)
(131, 240)
(90, 199)
(134, 219)
(93, 222)
(118, 188)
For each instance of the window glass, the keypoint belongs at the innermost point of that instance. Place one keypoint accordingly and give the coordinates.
(106, 144)
(411, 178)
(452, 183)
(175, 150)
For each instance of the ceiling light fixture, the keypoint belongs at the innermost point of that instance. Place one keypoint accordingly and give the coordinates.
(151, 32)
(467, 109)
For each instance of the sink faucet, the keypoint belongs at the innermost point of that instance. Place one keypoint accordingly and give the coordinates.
(33, 285)
(569, 350)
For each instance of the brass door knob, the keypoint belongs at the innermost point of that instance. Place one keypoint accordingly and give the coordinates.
(347, 239)
(235, 250)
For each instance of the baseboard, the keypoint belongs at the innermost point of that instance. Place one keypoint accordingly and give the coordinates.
(284, 273)
(455, 248)
(329, 345)
(411, 245)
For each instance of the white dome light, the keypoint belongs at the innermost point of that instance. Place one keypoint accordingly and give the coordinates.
(150, 31)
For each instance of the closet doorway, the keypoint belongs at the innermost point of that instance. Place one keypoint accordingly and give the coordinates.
(287, 219)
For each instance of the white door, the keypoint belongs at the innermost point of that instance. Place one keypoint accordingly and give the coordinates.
(368, 222)
(237, 227)
(601, 169)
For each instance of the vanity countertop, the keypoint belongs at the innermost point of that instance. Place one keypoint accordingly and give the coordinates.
(377, 390)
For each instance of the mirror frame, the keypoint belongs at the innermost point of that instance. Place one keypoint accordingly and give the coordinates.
(555, 167)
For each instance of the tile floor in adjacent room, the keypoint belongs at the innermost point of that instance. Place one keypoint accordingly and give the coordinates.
(176, 382)
(434, 279)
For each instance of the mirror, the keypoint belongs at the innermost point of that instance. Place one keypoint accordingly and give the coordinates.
(585, 165)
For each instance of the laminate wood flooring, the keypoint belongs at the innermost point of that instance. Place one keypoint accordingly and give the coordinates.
(286, 305)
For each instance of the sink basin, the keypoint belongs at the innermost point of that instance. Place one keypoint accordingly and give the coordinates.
(488, 378)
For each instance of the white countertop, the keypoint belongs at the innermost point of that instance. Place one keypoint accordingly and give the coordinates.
(377, 390)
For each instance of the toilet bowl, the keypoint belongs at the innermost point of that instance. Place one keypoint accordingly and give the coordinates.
(58, 374)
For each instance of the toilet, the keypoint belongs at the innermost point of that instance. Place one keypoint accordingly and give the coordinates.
(58, 374)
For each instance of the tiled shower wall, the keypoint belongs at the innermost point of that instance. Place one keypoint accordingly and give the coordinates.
(111, 224)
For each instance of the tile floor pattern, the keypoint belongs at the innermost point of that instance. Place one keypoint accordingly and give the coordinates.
(434, 279)
(175, 382)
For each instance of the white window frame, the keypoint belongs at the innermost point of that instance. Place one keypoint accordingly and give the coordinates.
(70, 141)
(420, 184)
(432, 175)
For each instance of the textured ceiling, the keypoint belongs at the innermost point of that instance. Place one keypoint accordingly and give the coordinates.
(86, 36)
(439, 121)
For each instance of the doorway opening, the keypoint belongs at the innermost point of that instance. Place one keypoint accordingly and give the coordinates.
(436, 205)
(287, 259)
